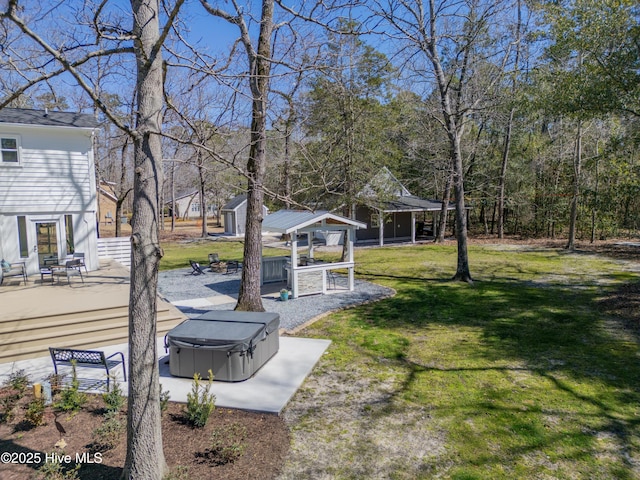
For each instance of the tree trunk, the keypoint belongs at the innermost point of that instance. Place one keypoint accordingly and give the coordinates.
(145, 457)
(577, 167)
(462, 272)
(201, 193)
(503, 174)
(507, 139)
(249, 298)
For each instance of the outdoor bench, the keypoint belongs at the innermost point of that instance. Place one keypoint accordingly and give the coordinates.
(87, 359)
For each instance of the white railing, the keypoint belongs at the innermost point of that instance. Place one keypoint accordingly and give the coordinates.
(118, 249)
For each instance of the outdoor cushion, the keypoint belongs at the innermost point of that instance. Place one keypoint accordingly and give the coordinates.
(6, 266)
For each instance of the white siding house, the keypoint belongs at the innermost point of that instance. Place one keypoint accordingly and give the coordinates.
(188, 206)
(47, 187)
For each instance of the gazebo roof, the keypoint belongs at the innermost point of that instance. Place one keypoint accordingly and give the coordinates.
(288, 221)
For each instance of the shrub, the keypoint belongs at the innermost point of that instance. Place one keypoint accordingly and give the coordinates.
(55, 380)
(227, 444)
(181, 472)
(35, 412)
(164, 399)
(200, 403)
(109, 433)
(71, 398)
(113, 399)
(8, 400)
(58, 471)
(18, 381)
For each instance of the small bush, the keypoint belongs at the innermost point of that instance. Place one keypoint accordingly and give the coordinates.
(109, 434)
(58, 471)
(71, 398)
(113, 399)
(55, 380)
(164, 399)
(227, 444)
(181, 472)
(200, 403)
(35, 412)
(8, 400)
(19, 381)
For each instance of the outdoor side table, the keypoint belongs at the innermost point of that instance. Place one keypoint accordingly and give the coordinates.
(44, 272)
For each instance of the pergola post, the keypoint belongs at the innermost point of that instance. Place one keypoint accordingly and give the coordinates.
(413, 227)
(350, 250)
(294, 264)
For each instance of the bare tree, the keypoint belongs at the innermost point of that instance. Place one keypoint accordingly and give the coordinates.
(259, 78)
(145, 457)
(451, 38)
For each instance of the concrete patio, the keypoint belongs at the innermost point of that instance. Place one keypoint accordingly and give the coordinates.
(267, 391)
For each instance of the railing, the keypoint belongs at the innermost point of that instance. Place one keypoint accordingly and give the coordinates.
(273, 269)
(118, 249)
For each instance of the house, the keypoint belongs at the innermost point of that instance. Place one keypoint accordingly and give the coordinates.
(235, 215)
(187, 206)
(107, 202)
(48, 201)
(391, 212)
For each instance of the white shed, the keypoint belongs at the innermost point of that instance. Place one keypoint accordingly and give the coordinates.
(235, 215)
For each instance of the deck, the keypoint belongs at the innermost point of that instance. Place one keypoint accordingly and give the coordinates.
(43, 314)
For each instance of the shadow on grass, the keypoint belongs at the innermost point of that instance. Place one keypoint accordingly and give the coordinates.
(552, 331)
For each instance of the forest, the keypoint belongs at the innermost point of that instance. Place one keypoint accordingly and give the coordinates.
(525, 110)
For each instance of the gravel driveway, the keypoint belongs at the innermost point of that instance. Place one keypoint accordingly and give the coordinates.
(180, 285)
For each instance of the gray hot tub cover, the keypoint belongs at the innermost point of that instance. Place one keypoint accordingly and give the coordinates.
(227, 331)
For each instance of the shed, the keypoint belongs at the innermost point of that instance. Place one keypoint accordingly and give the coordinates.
(235, 215)
(305, 275)
(391, 211)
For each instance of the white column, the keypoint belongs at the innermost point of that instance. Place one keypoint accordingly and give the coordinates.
(350, 234)
(294, 264)
(413, 227)
(380, 228)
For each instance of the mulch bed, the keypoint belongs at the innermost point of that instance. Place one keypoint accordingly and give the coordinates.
(250, 445)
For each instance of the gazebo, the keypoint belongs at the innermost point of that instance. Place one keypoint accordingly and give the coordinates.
(305, 275)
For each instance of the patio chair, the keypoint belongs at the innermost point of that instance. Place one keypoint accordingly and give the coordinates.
(16, 269)
(214, 259)
(71, 269)
(80, 256)
(196, 270)
(233, 266)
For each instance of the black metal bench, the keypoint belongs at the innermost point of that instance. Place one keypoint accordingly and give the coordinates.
(87, 359)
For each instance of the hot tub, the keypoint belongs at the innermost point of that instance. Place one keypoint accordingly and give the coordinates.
(234, 345)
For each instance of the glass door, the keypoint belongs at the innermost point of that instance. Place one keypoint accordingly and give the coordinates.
(47, 242)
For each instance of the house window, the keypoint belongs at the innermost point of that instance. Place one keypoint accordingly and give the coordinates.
(22, 237)
(9, 149)
(195, 207)
(68, 226)
(375, 220)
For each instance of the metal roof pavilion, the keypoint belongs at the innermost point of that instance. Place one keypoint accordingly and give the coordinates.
(289, 221)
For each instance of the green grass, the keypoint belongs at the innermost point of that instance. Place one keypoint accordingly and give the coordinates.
(519, 369)
(523, 374)
(177, 255)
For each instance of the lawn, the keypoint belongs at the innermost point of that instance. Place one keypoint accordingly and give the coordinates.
(524, 374)
(530, 372)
